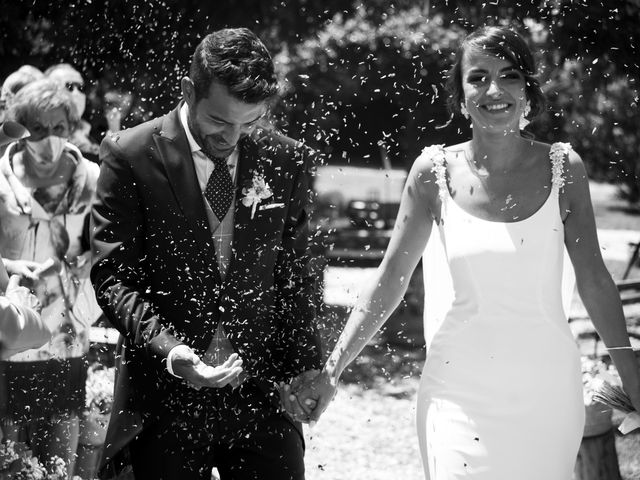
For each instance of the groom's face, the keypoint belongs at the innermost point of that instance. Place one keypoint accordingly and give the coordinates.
(219, 120)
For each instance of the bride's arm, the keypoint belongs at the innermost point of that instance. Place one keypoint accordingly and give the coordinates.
(385, 289)
(595, 285)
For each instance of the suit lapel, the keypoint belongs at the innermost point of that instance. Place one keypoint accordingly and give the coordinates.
(175, 153)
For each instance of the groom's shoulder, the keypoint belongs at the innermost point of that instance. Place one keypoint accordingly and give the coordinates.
(273, 139)
(286, 148)
(135, 140)
(137, 137)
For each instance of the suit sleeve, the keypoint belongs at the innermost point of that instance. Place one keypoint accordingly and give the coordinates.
(117, 240)
(295, 281)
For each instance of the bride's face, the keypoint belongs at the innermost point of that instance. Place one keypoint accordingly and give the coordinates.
(494, 91)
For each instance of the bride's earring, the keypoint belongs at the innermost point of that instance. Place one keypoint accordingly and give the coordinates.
(464, 111)
(523, 118)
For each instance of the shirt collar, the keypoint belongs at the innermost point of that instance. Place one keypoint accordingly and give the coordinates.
(184, 110)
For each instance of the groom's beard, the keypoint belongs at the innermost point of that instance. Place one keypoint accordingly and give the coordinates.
(214, 145)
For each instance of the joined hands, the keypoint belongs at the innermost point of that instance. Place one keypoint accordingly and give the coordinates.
(308, 395)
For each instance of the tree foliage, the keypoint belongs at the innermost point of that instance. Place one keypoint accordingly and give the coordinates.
(592, 60)
(372, 79)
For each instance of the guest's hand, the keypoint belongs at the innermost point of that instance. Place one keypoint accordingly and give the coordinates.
(288, 400)
(21, 295)
(198, 374)
(314, 396)
(23, 268)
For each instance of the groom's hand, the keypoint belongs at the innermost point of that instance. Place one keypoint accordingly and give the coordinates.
(289, 401)
(188, 366)
(314, 396)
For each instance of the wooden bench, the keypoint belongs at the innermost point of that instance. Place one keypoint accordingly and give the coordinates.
(629, 291)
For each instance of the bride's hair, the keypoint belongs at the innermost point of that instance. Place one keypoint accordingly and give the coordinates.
(504, 43)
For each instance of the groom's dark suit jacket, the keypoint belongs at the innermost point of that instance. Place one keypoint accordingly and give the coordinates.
(156, 276)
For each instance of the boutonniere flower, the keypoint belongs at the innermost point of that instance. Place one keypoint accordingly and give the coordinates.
(258, 191)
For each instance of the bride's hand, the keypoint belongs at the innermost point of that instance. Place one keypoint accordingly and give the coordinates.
(288, 399)
(315, 396)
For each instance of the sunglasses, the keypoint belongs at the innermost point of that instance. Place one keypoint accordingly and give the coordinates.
(74, 85)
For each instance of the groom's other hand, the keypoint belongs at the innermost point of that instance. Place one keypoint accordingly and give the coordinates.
(316, 395)
(288, 399)
(187, 365)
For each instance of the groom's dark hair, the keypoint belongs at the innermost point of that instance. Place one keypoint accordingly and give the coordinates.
(237, 59)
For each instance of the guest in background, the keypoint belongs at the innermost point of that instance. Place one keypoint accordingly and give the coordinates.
(46, 192)
(72, 80)
(10, 132)
(21, 326)
(117, 105)
(14, 82)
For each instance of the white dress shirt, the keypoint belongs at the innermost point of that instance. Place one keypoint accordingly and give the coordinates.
(222, 234)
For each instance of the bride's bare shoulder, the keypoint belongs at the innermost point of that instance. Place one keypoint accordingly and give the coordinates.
(434, 158)
(431, 157)
(427, 169)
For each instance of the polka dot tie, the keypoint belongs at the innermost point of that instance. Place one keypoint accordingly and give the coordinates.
(219, 189)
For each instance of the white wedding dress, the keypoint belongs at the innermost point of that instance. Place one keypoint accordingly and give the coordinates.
(501, 393)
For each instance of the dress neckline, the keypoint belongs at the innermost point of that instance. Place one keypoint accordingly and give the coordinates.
(499, 222)
(557, 152)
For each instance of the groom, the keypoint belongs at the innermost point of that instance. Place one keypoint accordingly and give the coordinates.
(200, 261)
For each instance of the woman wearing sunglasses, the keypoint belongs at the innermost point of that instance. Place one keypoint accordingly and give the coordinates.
(81, 137)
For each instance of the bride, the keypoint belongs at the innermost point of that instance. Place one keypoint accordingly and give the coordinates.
(501, 393)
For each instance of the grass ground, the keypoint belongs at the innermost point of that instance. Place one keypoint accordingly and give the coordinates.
(368, 432)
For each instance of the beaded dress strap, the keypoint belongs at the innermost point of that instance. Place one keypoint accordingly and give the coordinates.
(437, 156)
(559, 151)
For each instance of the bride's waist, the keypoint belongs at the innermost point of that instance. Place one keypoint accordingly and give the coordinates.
(504, 309)
(486, 330)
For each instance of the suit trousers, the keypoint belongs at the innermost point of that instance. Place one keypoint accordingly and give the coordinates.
(239, 432)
